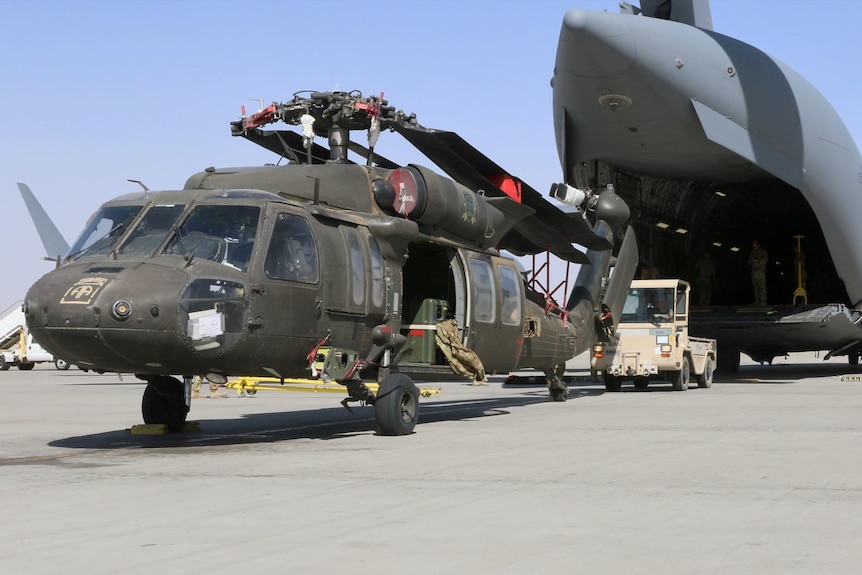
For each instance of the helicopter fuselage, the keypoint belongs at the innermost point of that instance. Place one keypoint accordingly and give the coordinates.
(249, 271)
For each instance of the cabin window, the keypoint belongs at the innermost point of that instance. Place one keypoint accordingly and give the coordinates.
(483, 291)
(292, 253)
(510, 283)
(377, 274)
(152, 229)
(357, 268)
(220, 233)
(681, 301)
(648, 304)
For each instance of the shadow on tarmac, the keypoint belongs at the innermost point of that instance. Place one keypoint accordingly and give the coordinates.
(337, 423)
(326, 424)
(785, 373)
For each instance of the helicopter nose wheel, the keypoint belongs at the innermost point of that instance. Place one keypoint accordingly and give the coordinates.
(396, 406)
(164, 402)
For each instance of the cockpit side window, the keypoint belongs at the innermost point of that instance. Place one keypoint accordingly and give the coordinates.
(219, 233)
(151, 230)
(292, 253)
(103, 230)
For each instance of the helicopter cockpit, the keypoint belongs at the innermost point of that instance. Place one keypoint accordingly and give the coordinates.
(218, 232)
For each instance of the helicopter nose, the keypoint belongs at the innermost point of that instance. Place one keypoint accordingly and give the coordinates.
(113, 318)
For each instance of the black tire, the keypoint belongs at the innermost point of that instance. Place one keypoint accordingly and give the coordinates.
(556, 386)
(704, 380)
(61, 364)
(681, 378)
(728, 360)
(852, 358)
(612, 383)
(396, 406)
(26, 366)
(4, 365)
(641, 383)
(164, 402)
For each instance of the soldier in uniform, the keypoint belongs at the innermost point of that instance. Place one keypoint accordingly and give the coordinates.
(705, 270)
(757, 262)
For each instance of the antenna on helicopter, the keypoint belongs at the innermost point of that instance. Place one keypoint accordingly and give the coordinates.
(140, 183)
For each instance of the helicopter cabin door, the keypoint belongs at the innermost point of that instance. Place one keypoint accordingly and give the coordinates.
(286, 286)
(495, 311)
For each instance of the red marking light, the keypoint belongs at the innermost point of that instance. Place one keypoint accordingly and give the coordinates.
(416, 332)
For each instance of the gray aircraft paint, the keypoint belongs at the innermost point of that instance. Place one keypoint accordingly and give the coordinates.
(667, 99)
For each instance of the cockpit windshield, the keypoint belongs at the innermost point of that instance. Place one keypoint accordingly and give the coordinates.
(103, 230)
(220, 233)
(152, 229)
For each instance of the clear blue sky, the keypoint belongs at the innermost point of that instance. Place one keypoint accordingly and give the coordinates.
(96, 92)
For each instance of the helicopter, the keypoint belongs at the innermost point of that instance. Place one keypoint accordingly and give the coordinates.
(332, 269)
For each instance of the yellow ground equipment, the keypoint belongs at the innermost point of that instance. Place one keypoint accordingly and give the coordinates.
(251, 385)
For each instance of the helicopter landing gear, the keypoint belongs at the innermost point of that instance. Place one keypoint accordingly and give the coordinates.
(396, 406)
(558, 388)
(164, 402)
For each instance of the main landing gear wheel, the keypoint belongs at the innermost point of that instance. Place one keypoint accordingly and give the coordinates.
(705, 378)
(728, 359)
(164, 402)
(681, 378)
(396, 406)
(612, 382)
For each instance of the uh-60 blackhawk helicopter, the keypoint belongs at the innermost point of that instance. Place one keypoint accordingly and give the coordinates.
(273, 270)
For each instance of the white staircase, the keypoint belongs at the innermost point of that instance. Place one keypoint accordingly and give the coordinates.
(11, 325)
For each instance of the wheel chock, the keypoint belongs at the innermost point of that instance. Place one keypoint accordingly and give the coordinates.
(162, 429)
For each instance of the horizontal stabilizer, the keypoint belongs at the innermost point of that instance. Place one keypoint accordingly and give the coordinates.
(727, 133)
(55, 244)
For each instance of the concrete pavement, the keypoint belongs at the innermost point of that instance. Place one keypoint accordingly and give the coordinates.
(759, 474)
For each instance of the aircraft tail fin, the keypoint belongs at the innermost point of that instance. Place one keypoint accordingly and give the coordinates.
(691, 12)
(624, 272)
(53, 241)
(588, 285)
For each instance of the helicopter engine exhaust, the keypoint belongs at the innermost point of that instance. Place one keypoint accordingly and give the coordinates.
(422, 196)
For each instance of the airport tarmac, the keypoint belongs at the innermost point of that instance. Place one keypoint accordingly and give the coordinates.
(759, 474)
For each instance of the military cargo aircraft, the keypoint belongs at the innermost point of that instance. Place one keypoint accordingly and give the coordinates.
(329, 268)
(714, 144)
